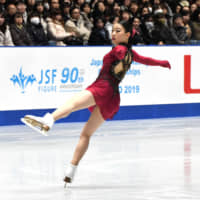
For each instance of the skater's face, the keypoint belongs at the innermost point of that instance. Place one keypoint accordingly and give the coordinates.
(119, 35)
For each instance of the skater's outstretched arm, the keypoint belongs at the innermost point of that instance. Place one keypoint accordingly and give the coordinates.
(119, 52)
(150, 61)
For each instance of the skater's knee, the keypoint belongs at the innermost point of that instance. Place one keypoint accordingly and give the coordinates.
(85, 136)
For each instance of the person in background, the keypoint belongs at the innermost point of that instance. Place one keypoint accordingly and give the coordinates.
(197, 2)
(76, 24)
(3, 5)
(187, 23)
(30, 6)
(138, 35)
(196, 27)
(125, 4)
(10, 13)
(56, 29)
(180, 29)
(116, 10)
(126, 15)
(162, 33)
(86, 14)
(36, 31)
(144, 11)
(66, 11)
(39, 8)
(99, 34)
(109, 4)
(99, 10)
(54, 4)
(19, 32)
(134, 9)
(193, 7)
(21, 8)
(5, 36)
(178, 9)
(46, 4)
(79, 3)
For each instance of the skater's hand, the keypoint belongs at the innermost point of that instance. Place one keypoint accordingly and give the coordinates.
(166, 64)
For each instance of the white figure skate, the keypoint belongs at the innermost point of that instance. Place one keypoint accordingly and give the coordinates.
(39, 124)
(69, 174)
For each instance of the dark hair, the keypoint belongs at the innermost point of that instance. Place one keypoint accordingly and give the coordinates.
(55, 11)
(72, 9)
(85, 4)
(128, 29)
(18, 14)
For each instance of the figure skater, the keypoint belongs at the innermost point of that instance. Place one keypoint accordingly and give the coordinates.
(101, 97)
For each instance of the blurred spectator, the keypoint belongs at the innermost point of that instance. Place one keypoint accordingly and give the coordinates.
(187, 23)
(56, 29)
(39, 8)
(99, 34)
(19, 33)
(21, 8)
(184, 5)
(66, 11)
(178, 9)
(54, 4)
(36, 31)
(30, 6)
(92, 3)
(76, 24)
(193, 7)
(138, 35)
(10, 12)
(5, 36)
(3, 5)
(87, 15)
(126, 5)
(46, 4)
(78, 3)
(147, 26)
(109, 4)
(126, 15)
(196, 27)
(134, 9)
(144, 11)
(162, 33)
(99, 10)
(116, 10)
(180, 29)
(197, 3)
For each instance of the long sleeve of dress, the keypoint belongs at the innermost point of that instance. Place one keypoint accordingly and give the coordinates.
(119, 52)
(150, 61)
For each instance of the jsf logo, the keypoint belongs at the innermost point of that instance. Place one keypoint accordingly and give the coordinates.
(187, 76)
(22, 80)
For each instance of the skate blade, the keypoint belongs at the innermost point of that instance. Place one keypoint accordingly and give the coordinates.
(35, 125)
(66, 180)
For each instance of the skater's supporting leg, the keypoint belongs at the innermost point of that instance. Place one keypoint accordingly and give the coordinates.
(81, 100)
(90, 127)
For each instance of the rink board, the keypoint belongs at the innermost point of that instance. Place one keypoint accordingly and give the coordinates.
(34, 80)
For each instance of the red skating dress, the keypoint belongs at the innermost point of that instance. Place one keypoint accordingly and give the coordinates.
(105, 88)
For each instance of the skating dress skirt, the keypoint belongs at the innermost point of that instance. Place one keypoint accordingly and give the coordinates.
(105, 89)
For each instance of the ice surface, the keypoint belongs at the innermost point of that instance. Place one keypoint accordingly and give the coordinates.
(126, 160)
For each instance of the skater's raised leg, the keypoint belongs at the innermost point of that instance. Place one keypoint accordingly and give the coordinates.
(81, 100)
